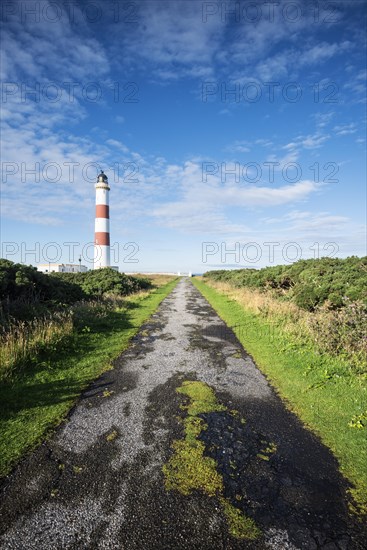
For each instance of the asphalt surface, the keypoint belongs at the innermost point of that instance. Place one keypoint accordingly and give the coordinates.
(98, 482)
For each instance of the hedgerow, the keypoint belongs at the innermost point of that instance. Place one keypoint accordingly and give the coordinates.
(309, 284)
(26, 293)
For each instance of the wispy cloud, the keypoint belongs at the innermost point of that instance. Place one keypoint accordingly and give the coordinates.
(356, 85)
(345, 129)
(316, 222)
(239, 147)
(323, 119)
(209, 201)
(172, 37)
(314, 141)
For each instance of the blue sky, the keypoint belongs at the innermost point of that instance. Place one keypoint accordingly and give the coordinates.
(222, 126)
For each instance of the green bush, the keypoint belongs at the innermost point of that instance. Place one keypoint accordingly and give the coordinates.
(307, 283)
(104, 281)
(26, 293)
(24, 283)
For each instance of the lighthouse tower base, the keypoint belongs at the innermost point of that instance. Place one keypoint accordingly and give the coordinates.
(101, 256)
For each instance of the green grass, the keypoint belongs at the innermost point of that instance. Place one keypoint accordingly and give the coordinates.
(320, 389)
(190, 470)
(39, 398)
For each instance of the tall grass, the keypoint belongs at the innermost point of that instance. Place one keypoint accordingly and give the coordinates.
(29, 329)
(36, 397)
(23, 341)
(340, 333)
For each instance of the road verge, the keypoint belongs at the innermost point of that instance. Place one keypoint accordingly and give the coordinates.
(315, 386)
(35, 402)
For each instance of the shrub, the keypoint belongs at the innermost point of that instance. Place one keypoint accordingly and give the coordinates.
(23, 283)
(99, 282)
(307, 283)
(26, 293)
(342, 332)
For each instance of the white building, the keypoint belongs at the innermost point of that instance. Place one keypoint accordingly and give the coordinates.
(62, 268)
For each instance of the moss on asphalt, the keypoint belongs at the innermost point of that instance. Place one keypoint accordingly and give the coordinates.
(189, 469)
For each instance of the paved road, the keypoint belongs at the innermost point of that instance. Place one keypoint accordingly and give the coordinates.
(98, 482)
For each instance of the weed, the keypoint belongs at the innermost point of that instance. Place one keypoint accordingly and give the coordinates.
(358, 421)
(112, 436)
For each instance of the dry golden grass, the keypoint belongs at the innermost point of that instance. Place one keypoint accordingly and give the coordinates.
(158, 279)
(132, 297)
(24, 340)
(264, 304)
(341, 332)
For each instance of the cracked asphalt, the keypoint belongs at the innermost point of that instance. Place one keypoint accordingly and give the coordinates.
(97, 483)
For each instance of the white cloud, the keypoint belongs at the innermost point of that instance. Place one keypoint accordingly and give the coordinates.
(314, 141)
(264, 142)
(290, 146)
(239, 146)
(321, 223)
(282, 162)
(322, 52)
(303, 222)
(323, 119)
(171, 40)
(206, 203)
(172, 37)
(345, 129)
(118, 145)
(291, 60)
(34, 49)
(356, 84)
(311, 141)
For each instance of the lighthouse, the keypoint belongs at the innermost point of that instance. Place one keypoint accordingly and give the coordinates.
(102, 224)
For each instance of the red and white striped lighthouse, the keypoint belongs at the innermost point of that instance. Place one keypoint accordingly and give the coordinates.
(102, 224)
